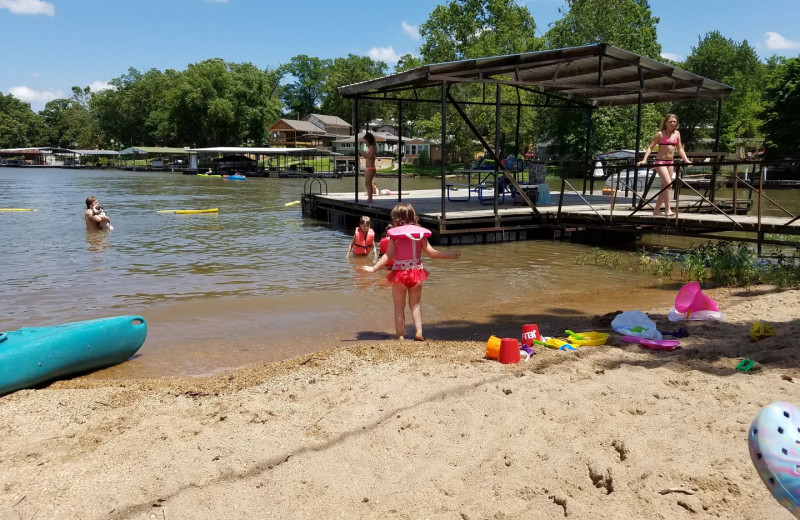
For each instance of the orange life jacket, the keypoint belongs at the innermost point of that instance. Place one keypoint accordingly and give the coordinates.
(363, 245)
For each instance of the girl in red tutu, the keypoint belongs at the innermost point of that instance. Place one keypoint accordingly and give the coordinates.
(407, 241)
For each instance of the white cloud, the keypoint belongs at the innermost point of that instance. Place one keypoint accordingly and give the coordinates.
(28, 7)
(411, 30)
(35, 97)
(384, 54)
(97, 86)
(776, 42)
(672, 56)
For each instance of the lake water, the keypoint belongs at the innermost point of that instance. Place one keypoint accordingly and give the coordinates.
(256, 282)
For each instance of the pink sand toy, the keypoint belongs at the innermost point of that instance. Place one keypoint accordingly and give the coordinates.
(692, 304)
(691, 298)
(774, 449)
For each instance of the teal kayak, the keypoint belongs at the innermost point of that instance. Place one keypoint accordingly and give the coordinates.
(33, 355)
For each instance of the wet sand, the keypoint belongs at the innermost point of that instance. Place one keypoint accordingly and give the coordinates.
(383, 429)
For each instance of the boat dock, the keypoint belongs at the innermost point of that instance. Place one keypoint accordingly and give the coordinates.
(594, 217)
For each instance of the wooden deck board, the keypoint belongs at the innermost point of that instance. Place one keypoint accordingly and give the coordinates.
(585, 210)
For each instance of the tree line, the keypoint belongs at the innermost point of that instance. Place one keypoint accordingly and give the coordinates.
(215, 102)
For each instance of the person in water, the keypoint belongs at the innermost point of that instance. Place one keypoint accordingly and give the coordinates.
(94, 216)
(407, 240)
(668, 139)
(370, 170)
(363, 242)
(384, 245)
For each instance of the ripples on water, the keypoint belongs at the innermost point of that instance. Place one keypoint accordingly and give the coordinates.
(255, 282)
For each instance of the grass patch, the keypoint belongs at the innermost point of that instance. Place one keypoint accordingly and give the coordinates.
(720, 264)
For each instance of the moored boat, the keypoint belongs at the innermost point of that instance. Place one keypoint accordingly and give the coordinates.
(33, 355)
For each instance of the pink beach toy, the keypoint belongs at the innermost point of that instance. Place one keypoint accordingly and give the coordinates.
(655, 344)
(774, 449)
(690, 298)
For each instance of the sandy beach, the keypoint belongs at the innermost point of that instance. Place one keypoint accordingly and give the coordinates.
(385, 429)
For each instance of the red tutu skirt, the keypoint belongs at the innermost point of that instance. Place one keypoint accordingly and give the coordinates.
(408, 277)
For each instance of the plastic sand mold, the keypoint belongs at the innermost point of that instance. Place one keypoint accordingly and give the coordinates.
(588, 339)
(761, 330)
(655, 344)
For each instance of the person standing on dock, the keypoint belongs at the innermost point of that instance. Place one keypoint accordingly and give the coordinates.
(668, 139)
(370, 170)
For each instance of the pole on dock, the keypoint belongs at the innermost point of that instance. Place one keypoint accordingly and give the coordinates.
(638, 137)
(400, 150)
(444, 144)
(497, 151)
(715, 168)
(355, 145)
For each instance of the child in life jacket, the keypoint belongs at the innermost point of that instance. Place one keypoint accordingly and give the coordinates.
(384, 246)
(407, 241)
(363, 242)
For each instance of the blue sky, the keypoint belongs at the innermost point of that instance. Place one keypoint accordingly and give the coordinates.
(47, 46)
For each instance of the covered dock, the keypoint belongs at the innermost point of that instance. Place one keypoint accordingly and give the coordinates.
(268, 162)
(579, 78)
(157, 158)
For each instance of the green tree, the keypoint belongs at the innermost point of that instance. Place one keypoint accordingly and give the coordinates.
(19, 125)
(463, 29)
(133, 111)
(782, 113)
(735, 64)
(69, 122)
(305, 93)
(627, 24)
(345, 71)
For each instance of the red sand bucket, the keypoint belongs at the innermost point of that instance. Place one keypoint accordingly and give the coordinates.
(691, 298)
(509, 351)
(530, 332)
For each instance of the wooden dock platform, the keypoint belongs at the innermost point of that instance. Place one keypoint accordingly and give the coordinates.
(564, 216)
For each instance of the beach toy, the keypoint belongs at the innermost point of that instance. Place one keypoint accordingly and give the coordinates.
(188, 211)
(745, 365)
(573, 334)
(691, 298)
(760, 330)
(566, 346)
(655, 344)
(293, 203)
(551, 342)
(775, 452)
(509, 351)
(588, 339)
(529, 332)
(16, 209)
(682, 332)
(493, 347)
(635, 323)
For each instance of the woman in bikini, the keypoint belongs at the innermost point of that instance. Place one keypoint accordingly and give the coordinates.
(369, 171)
(668, 139)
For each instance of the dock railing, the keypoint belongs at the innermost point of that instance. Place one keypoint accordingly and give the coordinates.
(698, 184)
